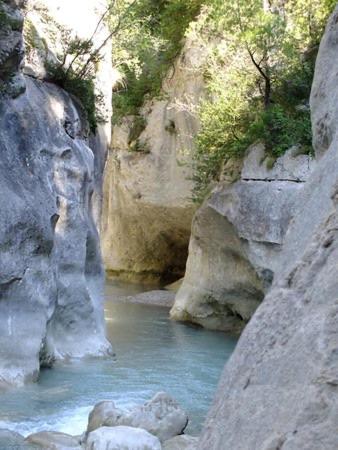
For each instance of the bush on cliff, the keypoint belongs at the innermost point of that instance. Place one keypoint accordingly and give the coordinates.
(259, 88)
(147, 43)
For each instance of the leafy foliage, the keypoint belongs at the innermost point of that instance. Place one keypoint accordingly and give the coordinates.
(82, 88)
(260, 91)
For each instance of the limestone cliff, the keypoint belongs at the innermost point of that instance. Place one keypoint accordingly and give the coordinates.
(148, 208)
(237, 236)
(51, 272)
(278, 390)
(49, 27)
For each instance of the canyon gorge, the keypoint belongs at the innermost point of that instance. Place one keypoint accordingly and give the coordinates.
(187, 202)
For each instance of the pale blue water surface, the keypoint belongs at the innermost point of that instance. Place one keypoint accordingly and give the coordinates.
(152, 354)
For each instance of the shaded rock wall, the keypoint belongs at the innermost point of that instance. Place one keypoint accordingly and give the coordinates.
(51, 273)
(237, 236)
(278, 390)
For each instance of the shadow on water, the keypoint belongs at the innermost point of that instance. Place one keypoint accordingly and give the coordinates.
(152, 354)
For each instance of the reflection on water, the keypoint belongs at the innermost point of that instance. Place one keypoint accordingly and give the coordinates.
(152, 354)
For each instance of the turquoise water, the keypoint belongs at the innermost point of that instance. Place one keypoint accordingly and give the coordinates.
(152, 354)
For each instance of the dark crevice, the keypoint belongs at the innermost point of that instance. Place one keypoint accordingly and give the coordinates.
(270, 180)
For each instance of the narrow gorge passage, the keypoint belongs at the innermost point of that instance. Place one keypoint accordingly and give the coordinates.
(168, 224)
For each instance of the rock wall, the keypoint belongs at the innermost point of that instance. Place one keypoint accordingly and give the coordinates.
(147, 204)
(49, 27)
(51, 273)
(279, 389)
(237, 236)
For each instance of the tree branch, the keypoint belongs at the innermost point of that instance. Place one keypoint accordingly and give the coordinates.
(96, 52)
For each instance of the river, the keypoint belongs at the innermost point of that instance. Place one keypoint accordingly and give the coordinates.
(152, 354)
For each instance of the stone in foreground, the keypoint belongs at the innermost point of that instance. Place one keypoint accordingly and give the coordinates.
(52, 440)
(121, 438)
(161, 416)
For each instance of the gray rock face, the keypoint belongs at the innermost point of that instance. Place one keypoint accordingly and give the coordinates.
(122, 438)
(278, 390)
(236, 239)
(324, 96)
(50, 263)
(292, 166)
(161, 416)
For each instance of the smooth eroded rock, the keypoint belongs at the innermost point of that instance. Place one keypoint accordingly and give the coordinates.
(121, 438)
(237, 236)
(51, 274)
(161, 416)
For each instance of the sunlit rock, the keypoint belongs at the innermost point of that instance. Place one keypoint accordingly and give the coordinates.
(237, 236)
(121, 438)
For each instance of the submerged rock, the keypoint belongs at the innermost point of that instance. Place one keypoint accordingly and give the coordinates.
(121, 438)
(156, 298)
(161, 416)
(237, 236)
(51, 440)
(279, 388)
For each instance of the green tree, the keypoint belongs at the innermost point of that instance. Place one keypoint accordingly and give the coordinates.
(276, 43)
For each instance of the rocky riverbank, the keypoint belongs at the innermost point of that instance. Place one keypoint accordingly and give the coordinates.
(159, 424)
